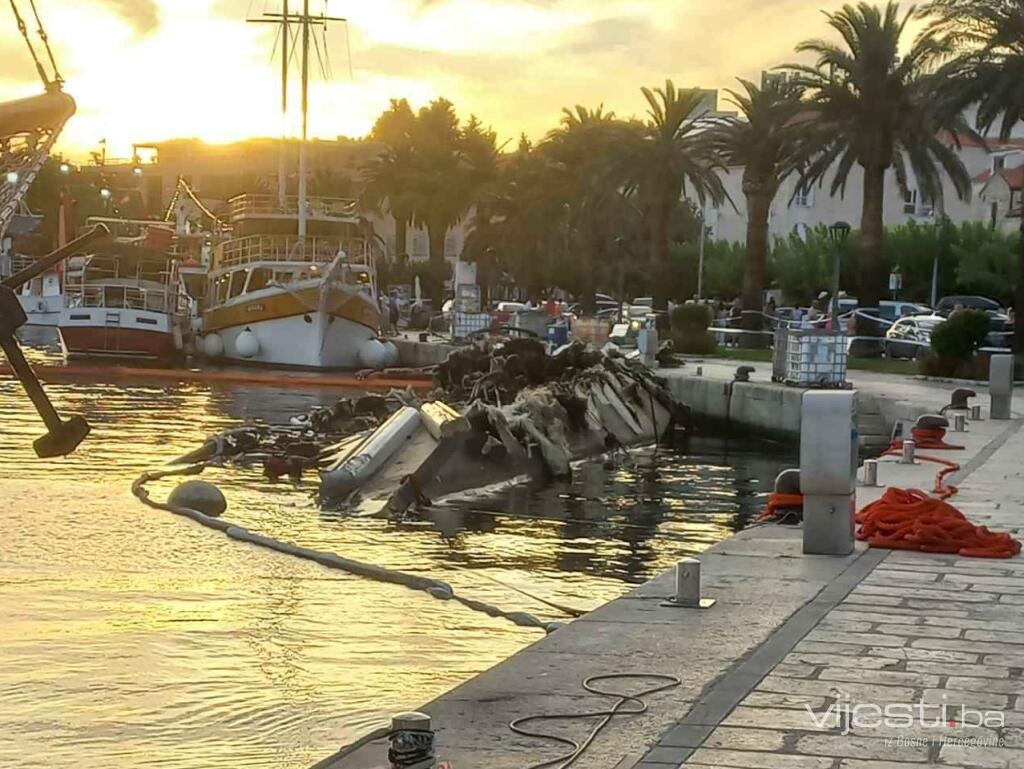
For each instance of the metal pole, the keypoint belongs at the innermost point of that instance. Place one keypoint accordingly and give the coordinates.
(935, 280)
(281, 172)
(700, 260)
(305, 119)
(835, 286)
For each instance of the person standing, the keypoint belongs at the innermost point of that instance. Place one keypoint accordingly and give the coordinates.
(393, 313)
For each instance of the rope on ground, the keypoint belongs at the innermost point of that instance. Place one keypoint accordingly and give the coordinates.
(909, 519)
(438, 589)
(781, 507)
(578, 748)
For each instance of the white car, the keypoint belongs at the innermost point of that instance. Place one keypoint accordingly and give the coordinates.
(911, 336)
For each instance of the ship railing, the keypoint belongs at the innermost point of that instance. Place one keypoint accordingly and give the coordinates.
(270, 205)
(127, 298)
(287, 248)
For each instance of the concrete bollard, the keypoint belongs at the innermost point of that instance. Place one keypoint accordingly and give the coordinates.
(959, 423)
(871, 472)
(411, 742)
(909, 448)
(688, 587)
(1000, 386)
(828, 471)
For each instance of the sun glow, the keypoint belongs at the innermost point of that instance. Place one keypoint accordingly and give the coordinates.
(146, 70)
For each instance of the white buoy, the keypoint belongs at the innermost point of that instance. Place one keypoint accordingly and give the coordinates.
(373, 354)
(213, 345)
(247, 345)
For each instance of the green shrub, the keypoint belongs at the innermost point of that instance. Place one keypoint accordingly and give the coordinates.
(960, 336)
(690, 333)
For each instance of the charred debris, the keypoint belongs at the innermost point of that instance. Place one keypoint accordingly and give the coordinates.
(498, 412)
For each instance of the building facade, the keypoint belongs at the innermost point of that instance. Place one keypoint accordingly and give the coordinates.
(996, 169)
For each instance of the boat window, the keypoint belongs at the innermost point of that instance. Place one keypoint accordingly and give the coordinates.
(114, 296)
(237, 283)
(283, 277)
(259, 278)
(222, 288)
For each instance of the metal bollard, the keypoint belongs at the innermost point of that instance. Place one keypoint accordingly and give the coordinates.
(959, 423)
(1000, 386)
(909, 447)
(411, 743)
(975, 413)
(870, 472)
(688, 587)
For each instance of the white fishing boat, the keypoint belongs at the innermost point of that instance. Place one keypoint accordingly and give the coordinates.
(291, 300)
(295, 284)
(123, 301)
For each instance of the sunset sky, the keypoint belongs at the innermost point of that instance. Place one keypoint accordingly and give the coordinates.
(144, 70)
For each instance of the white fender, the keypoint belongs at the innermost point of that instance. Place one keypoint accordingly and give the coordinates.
(213, 345)
(247, 345)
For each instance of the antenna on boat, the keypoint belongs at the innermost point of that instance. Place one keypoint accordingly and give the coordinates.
(305, 22)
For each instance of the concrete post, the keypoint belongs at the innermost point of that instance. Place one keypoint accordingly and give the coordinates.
(828, 471)
(1000, 386)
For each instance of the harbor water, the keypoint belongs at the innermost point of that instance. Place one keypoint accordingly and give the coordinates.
(133, 638)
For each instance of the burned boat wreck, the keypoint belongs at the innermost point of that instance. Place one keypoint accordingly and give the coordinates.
(519, 414)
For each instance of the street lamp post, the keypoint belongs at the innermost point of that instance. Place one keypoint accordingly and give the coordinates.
(700, 257)
(838, 233)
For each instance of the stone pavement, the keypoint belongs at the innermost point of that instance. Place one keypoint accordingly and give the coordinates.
(933, 629)
(788, 631)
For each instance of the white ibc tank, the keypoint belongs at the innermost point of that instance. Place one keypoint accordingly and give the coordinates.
(213, 345)
(247, 345)
(373, 354)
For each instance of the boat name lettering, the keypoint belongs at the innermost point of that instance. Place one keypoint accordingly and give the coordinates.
(257, 307)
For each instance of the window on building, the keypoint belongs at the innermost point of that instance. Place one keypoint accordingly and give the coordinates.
(998, 163)
(910, 202)
(804, 198)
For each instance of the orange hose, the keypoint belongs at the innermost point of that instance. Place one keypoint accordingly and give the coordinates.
(909, 519)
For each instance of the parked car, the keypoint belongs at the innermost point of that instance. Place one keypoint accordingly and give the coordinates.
(504, 311)
(947, 304)
(639, 308)
(887, 310)
(910, 337)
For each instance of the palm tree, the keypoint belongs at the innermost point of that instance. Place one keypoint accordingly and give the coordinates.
(662, 159)
(577, 180)
(387, 176)
(988, 71)
(880, 109)
(766, 143)
(450, 164)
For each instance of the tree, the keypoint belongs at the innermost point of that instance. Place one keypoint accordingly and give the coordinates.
(663, 158)
(450, 165)
(765, 142)
(987, 37)
(588, 195)
(880, 109)
(387, 178)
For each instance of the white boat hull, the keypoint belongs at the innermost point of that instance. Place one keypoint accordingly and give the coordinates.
(324, 341)
(42, 310)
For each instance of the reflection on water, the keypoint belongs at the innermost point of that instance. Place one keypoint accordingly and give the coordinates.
(132, 638)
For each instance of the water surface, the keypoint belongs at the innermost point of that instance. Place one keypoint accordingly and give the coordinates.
(133, 638)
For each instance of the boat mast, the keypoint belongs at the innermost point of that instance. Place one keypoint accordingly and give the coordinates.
(305, 118)
(282, 179)
(307, 22)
